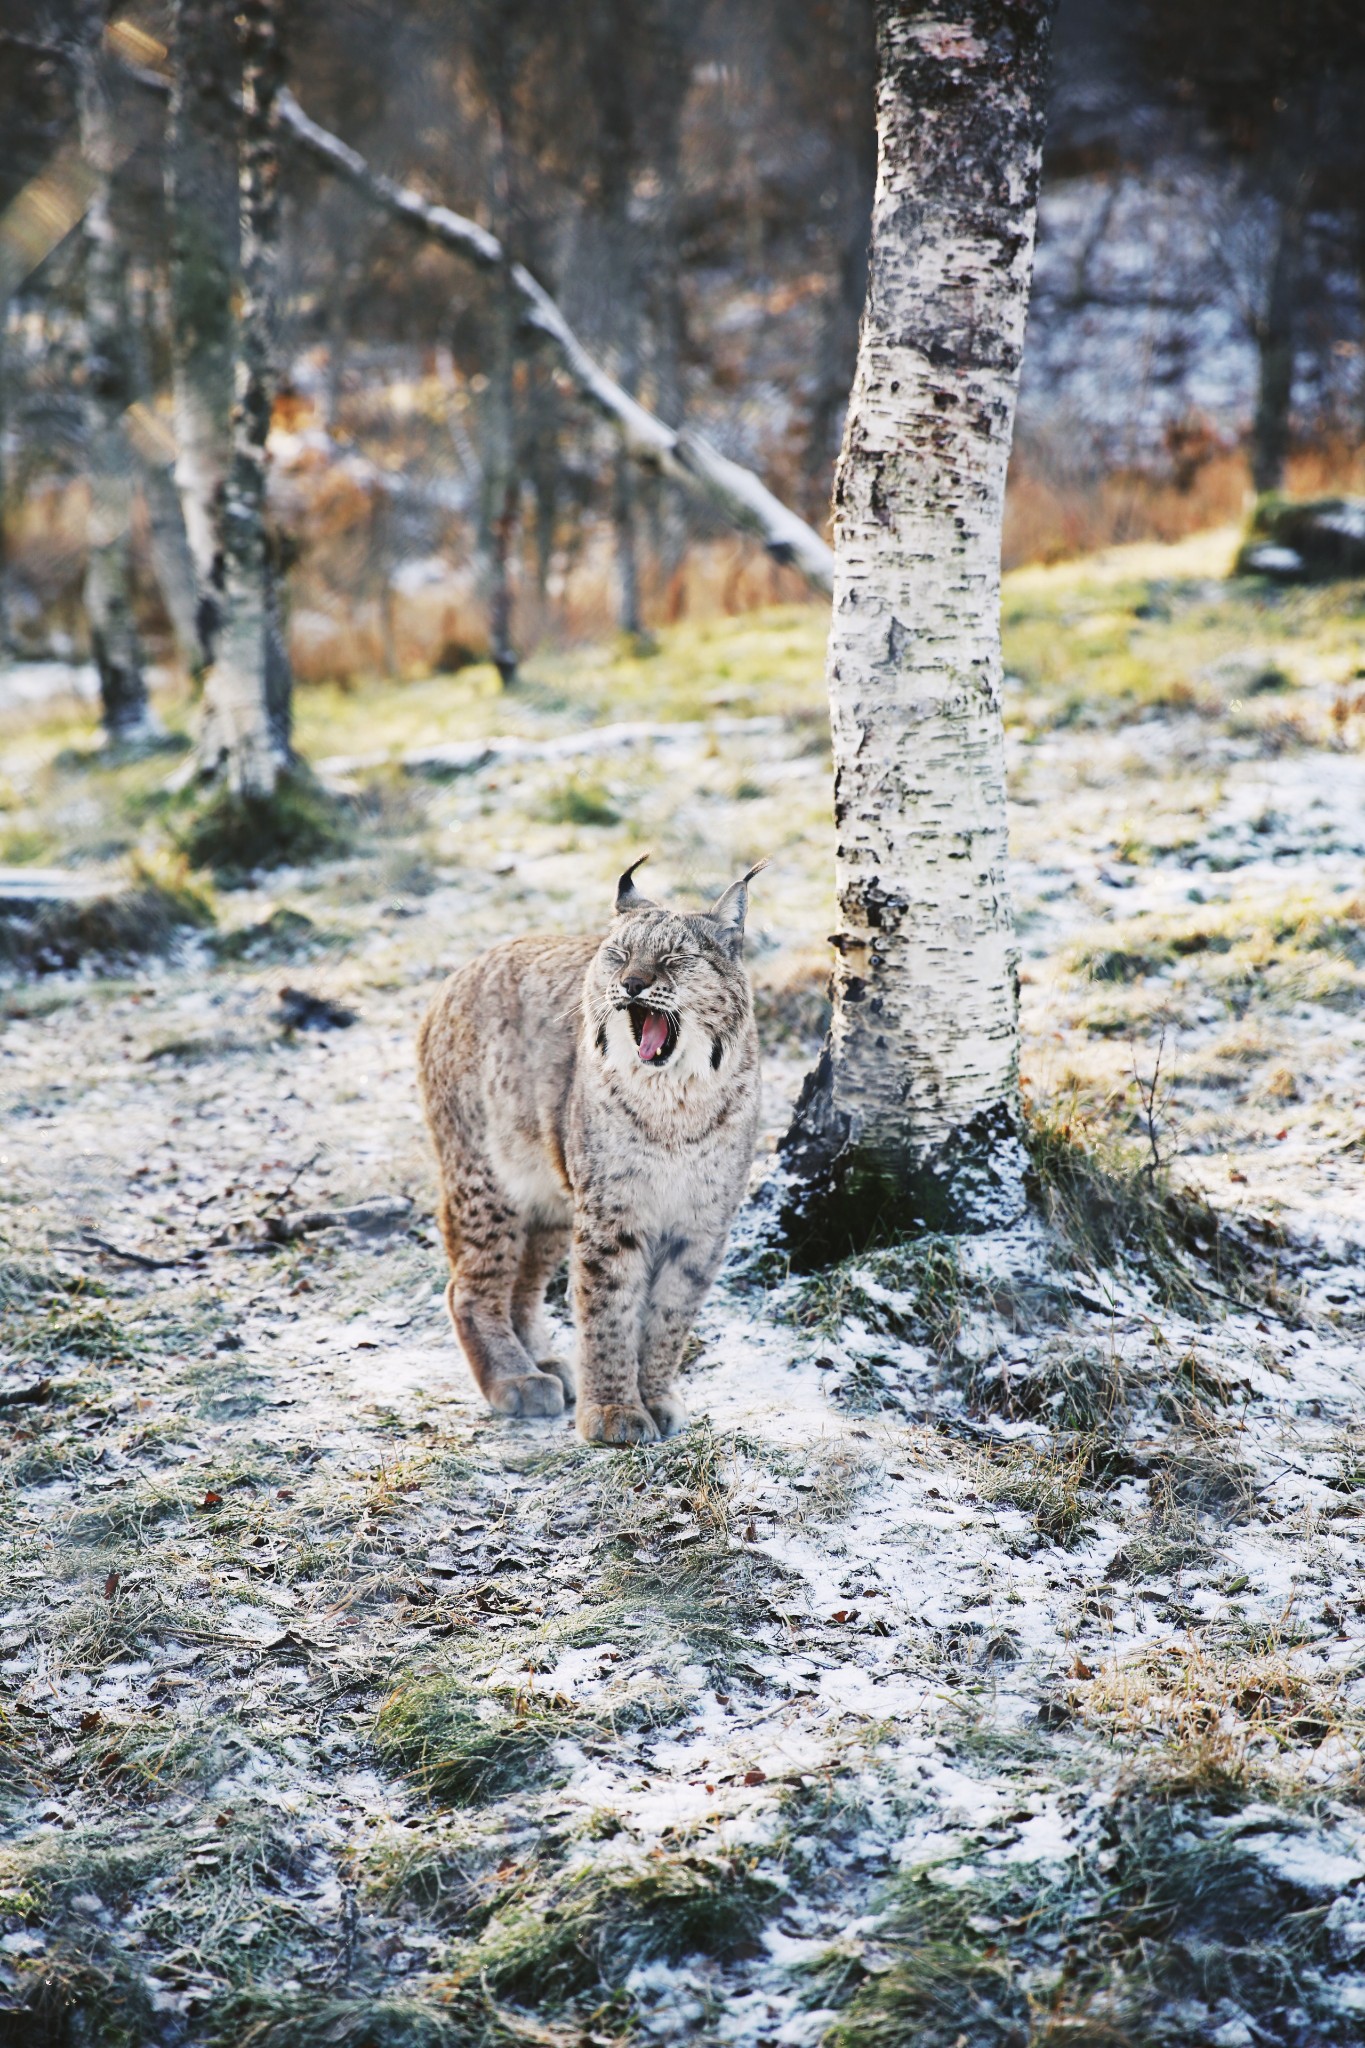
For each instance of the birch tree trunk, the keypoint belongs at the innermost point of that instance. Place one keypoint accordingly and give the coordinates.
(246, 735)
(202, 196)
(110, 389)
(500, 490)
(911, 1117)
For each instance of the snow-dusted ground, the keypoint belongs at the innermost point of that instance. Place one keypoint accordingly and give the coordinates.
(988, 1566)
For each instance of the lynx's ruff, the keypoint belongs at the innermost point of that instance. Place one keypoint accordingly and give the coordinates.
(599, 1097)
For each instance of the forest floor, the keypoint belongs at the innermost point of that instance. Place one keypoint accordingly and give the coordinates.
(984, 1666)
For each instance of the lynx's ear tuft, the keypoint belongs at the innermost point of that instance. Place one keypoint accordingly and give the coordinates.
(729, 910)
(628, 896)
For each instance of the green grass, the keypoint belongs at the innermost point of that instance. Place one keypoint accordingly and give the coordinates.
(1048, 1484)
(922, 1277)
(1165, 1904)
(143, 919)
(462, 1745)
(591, 1927)
(580, 803)
(237, 836)
(1109, 1205)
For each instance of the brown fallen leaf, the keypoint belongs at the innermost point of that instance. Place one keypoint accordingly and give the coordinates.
(211, 1499)
(1080, 1669)
(111, 1586)
(755, 1777)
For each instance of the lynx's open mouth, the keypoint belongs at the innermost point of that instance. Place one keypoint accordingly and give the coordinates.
(656, 1033)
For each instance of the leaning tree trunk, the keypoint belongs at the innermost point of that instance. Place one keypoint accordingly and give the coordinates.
(911, 1117)
(110, 390)
(245, 740)
(202, 201)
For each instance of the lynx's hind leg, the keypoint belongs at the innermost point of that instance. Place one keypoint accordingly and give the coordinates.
(486, 1240)
(546, 1245)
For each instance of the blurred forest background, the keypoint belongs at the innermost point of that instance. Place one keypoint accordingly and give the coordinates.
(691, 180)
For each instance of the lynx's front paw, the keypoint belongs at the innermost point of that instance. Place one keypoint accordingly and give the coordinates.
(528, 1393)
(608, 1423)
(668, 1412)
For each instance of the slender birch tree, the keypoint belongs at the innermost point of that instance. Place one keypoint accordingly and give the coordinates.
(111, 387)
(245, 741)
(911, 1116)
(202, 203)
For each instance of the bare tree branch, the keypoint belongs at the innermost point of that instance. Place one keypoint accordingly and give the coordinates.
(686, 458)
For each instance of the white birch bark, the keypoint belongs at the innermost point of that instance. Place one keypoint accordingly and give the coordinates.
(202, 202)
(114, 645)
(245, 737)
(911, 1116)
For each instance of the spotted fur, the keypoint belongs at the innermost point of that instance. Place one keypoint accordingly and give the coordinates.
(556, 1130)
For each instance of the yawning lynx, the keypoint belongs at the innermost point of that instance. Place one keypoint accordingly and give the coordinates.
(605, 1093)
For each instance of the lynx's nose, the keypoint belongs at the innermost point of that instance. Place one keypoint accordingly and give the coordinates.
(636, 984)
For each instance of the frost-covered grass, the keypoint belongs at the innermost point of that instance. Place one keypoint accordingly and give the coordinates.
(982, 1666)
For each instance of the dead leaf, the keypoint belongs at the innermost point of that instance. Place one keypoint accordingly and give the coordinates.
(1080, 1669)
(755, 1777)
(111, 1586)
(211, 1499)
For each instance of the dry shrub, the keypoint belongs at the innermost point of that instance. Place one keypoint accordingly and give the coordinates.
(1058, 505)
(1224, 1713)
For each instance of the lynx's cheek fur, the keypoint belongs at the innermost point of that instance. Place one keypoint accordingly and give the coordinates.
(601, 1098)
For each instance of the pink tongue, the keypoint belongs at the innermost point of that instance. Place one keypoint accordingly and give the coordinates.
(653, 1034)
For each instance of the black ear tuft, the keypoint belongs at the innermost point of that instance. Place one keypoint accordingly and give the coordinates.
(628, 896)
(729, 909)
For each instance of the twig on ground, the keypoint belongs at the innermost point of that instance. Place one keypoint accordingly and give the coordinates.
(290, 1185)
(143, 1260)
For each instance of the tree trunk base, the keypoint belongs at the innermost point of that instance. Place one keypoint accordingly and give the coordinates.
(237, 833)
(840, 1195)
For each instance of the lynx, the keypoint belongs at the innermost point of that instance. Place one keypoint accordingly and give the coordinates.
(599, 1096)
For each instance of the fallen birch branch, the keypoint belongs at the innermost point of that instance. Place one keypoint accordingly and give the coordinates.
(467, 757)
(685, 458)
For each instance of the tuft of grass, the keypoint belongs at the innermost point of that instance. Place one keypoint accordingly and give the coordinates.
(259, 2018)
(580, 803)
(1111, 1207)
(465, 1746)
(1217, 1719)
(1166, 1902)
(1050, 1484)
(134, 923)
(593, 1926)
(913, 1292)
(237, 836)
